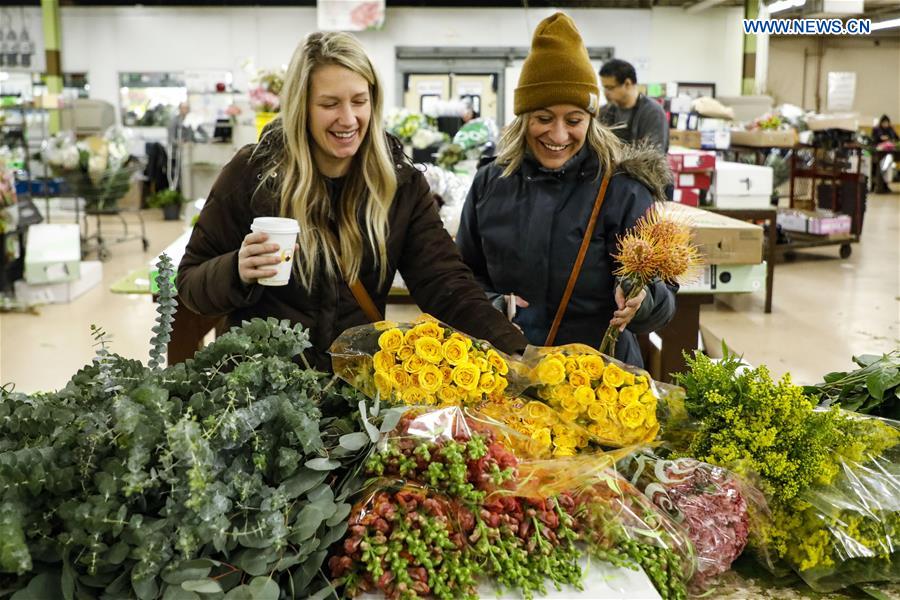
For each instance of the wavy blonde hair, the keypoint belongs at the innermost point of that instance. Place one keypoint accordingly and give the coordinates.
(370, 183)
(513, 145)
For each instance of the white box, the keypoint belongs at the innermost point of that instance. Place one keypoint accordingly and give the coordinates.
(61, 292)
(53, 253)
(681, 104)
(719, 139)
(731, 279)
(738, 179)
(732, 201)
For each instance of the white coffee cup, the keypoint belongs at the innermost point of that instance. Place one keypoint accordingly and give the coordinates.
(284, 233)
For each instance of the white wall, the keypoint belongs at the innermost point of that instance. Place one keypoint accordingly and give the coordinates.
(664, 44)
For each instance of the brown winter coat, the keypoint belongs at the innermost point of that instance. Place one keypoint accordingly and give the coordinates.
(418, 246)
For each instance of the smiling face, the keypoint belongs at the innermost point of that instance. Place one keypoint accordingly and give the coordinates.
(339, 112)
(556, 133)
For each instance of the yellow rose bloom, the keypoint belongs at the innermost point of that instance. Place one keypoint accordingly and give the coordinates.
(633, 415)
(570, 405)
(564, 451)
(429, 329)
(571, 364)
(414, 364)
(579, 378)
(448, 395)
(429, 350)
(446, 373)
(641, 387)
(466, 376)
(455, 351)
(496, 361)
(391, 340)
(569, 416)
(648, 399)
(463, 338)
(414, 395)
(606, 394)
(538, 411)
(502, 384)
(629, 378)
(430, 379)
(551, 371)
(487, 383)
(613, 376)
(410, 337)
(383, 361)
(563, 392)
(482, 364)
(542, 437)
(598, 412)
(405, 352)
(592, 365)
(385, 325)
(584, 396)
(629, 394)
(383, 384)
(400, 379)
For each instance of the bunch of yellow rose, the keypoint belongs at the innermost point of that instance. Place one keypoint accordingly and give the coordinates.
(615, 407)
(551, 436)
(431, 365)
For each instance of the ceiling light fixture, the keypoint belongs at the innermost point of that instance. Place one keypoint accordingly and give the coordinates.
(886, 24)
(783, 5)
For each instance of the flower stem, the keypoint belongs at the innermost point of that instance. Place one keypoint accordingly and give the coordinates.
(608, 345)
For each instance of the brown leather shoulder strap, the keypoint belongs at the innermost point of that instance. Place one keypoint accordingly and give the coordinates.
(576, 268)
(365, 301)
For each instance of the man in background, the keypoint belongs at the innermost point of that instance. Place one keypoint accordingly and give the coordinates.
(633, 116)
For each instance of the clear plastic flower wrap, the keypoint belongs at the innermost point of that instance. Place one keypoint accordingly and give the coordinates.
(425, 363)
(404, 541)
(847, 531)
(615, 521)
(714, 506)
(453, 451)
(616, 404)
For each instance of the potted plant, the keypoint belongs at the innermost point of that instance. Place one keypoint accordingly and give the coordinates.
(169, 201)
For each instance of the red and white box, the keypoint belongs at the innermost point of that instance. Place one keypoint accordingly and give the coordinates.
(691, 162)
(701, 181)
(688, 196)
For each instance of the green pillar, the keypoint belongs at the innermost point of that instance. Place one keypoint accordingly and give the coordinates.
(748, 79)
(50, 10)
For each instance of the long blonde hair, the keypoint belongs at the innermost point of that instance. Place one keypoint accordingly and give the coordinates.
(370, 183)
(513, 145)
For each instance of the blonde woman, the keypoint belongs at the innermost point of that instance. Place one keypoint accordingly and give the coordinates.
(364, 213)
(526, 216)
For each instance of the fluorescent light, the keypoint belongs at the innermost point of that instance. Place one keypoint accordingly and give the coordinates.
(782, 5)
(886, 24)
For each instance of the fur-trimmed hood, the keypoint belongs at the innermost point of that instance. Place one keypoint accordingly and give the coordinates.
(646, 164)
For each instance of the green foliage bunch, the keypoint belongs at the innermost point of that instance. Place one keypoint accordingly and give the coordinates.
(223, 477)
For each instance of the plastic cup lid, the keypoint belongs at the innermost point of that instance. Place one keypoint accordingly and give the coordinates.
(275, 225)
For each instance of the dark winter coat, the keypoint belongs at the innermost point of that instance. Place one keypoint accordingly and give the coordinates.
(521, 234)
(417, 245)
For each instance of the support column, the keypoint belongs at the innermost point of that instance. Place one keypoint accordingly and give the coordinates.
(52, 39)
(748, 76)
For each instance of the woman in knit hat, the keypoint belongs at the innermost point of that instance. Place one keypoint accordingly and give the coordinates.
(527, 212)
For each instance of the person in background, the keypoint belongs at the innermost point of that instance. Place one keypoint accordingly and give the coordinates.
(364, 213)
(633, 116)
(886, 140)
(179, 133)
(527, 211)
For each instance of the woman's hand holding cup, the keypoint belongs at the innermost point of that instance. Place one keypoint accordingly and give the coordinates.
(267, 253)
(255, 258)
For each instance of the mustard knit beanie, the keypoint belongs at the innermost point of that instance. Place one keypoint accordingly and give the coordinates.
(557, 70)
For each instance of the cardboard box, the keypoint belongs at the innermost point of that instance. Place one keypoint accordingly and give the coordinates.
(815, 222)
(685, 139)
(62, 292)
(764, 139)
(53, 253)
(691, 162)
(844, 121)
(688, 196)
(722, 240)
(733, 279)
(701, 181)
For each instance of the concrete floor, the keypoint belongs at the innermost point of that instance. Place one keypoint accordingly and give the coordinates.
(825, 310)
